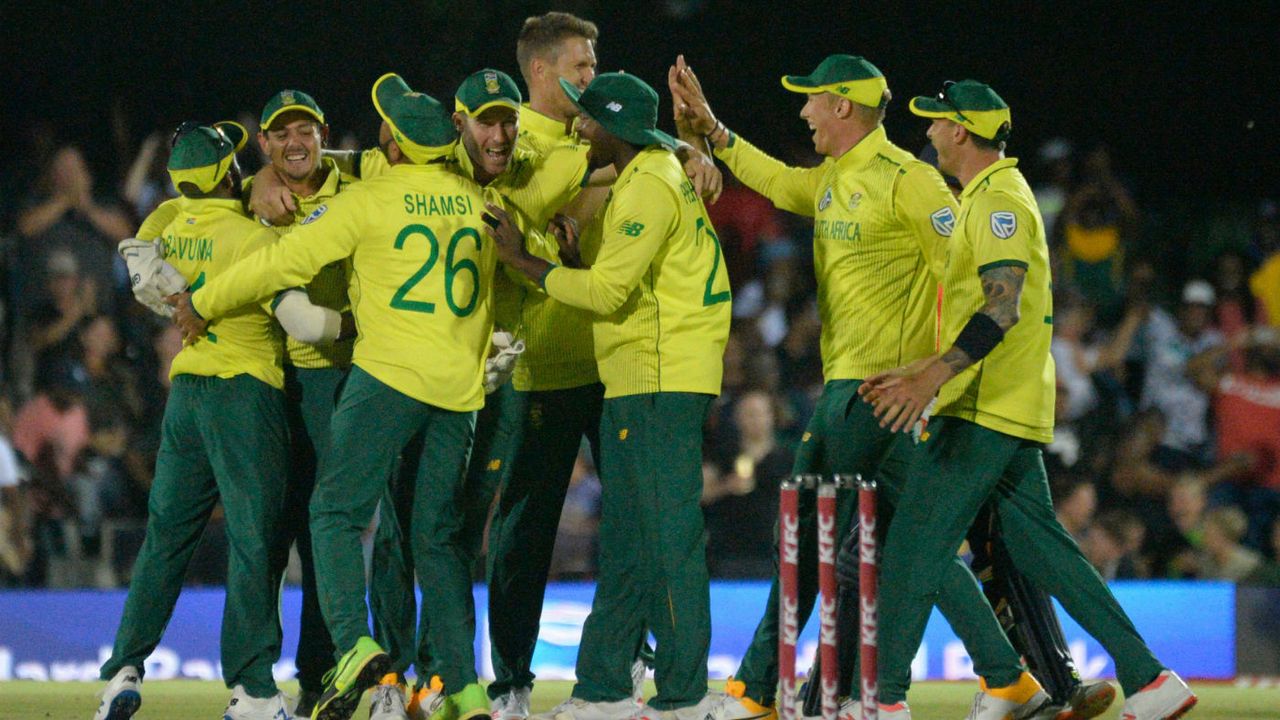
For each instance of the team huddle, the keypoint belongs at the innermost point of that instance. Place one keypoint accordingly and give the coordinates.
(427, 331)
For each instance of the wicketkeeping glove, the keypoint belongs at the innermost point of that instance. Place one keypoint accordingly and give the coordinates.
(151, 278)
(502, 362)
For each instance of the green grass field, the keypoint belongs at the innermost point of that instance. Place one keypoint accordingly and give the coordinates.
(193, 700)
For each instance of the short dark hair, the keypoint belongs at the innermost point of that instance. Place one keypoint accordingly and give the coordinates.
(988, 144)
(541, 36)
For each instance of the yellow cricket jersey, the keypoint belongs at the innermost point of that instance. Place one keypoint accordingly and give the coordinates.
(421, 279)
(328, 288)
(560, 353)
(154, 224)
(881, 223)
(658, 286)
(1012, 389)
(204, 241)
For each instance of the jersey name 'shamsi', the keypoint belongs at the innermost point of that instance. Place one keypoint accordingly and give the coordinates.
(188, 248)
(419, 204)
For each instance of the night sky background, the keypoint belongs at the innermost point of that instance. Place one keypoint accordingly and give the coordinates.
(1184, 94)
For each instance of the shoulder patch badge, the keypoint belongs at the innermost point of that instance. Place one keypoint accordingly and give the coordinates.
(315, 215)
(1004, 224)
(944, 221)
(854, 200)
(825, 202)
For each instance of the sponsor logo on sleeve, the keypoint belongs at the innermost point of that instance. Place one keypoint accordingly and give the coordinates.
(315, 215)
(1004, 224)
(944, 221)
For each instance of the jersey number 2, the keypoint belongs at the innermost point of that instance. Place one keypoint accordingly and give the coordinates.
(400, 300)
(708, 297)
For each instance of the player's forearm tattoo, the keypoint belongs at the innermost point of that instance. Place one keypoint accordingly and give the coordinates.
(957, 360)
(1002, 288)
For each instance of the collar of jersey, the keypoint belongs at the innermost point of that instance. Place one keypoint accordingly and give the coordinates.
(866, 148)
(539, 124)
(329, 187)
(192, 206)
(987, 172)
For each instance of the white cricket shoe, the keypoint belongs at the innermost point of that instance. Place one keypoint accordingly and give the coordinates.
(698, 711)
(578, 709)
(512, 705)
(245, 707)
(122, 696)
(1165, 698)
(638, 671)
(989, 707)
(386, 702)
(733, 704)
(426, 700)
(852, 710)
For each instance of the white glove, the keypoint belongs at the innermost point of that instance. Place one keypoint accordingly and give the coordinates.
(919, 429)
(502, 360)
(151, 278)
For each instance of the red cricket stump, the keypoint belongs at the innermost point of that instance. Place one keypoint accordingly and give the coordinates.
(868, 593)
(788, 596)
(828, 649)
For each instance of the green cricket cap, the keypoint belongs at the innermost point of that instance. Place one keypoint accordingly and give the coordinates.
(287, 100)
(849, 76)
(972, 104)
(201, 156)
(234, 131)
(487, 88)
(624, 105)
(420, 124)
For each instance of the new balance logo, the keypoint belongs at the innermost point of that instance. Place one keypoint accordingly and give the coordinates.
(631, 228)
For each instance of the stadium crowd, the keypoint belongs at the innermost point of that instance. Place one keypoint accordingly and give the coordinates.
(1165, 463)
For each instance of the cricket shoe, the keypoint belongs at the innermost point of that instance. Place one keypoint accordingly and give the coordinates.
(578, 709)
(698, 711)
(357, 671)
(469, 702)
(852, 710)
(307, 700)
(511, 705)
(386, 702)
(733, 704)
(638, 671)
(243, 706)
(1020, 701)
(122, 697)
(426, 700)
(1088, 700)
(1165, 698)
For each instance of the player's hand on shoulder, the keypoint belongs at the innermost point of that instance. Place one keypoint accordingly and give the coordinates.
(565, 230)
(270, 199)
(707, 178)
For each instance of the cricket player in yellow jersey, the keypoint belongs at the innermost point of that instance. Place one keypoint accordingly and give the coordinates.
(881, 223)
(660, 297)
(223, 438)
(422, 297)
(994, 385)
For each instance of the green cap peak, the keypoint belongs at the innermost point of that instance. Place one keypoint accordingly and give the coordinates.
(487, 88)
(420, 124)
(972, 104)
(287, 100)
(849, 76)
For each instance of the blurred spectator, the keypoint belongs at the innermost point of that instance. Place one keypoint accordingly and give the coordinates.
(574, 557)
(53, 425)
(65, 215)
(769, 299)
(1264, 283)
(740, 491)
(16, 547)
(1268, 573)
(1167, 347)
(1223, 557)
(147, 183)
(746, 222)
(1075, 500)
(48, 330)
(1247, 410)
(1112, 543)
(1096, 226)
(1054, 181)
(1175, 549)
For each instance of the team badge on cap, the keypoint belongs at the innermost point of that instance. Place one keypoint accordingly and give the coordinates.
(1004, 224)
(944, 221)
(491, 83)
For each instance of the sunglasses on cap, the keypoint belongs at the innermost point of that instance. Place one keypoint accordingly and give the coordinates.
(944, 97)
(191, 125)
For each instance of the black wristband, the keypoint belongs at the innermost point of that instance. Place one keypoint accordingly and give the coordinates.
(979, 336)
